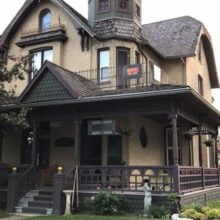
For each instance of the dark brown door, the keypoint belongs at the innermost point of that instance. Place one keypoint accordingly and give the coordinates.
(26, 148)
(43, 145)
(123, 60)
(114, 156)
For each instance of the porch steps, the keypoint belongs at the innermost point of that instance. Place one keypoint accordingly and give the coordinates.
(38, 201)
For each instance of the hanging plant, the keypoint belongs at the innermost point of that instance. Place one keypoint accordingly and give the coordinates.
(125, 131)
(208, 143)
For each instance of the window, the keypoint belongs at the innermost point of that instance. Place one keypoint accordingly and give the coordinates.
(138, 11)
(137, 58)
(38, 58)
(103, 5)
(169, 146)
(200, 85)
(155, 73)
(45, 20)
(104, 73)
(123, 5)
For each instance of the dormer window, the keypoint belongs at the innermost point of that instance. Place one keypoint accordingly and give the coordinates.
(123, 5)
(38, 58)
(45, 20)
(103, 5)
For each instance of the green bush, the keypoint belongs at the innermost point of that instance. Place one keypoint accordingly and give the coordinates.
(193, 214)
(104, 203)
(196, 206)
(108, 203)
(213, 213)
(158, 211)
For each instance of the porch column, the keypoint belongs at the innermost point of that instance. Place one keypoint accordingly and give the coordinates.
(77, 135)
(200, 146)
(174, 117)
(216, 151)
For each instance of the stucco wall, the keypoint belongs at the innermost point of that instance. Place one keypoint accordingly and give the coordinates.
(153, 154)
(63, 156)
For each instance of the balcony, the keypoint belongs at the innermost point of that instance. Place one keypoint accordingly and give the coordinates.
(133, 77)
(30, 37)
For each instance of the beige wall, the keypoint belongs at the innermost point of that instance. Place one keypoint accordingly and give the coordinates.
(63, 156)
(196, 67)
(153, 154)
(11, 148)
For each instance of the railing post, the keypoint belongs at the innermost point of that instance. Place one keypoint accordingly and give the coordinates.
(176, 177)
(203, 177)
(58, 182)
(12, 191)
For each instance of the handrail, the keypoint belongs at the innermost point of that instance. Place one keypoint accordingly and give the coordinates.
(25, 182)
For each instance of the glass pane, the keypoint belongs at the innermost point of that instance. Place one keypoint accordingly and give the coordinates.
(48, 55)
(104, 65)
(46, 20)
(36, 63)
(157, 73)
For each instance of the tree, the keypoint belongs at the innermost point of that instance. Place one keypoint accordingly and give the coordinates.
(8, 78)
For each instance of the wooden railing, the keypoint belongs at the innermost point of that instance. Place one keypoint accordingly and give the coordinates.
(126, 178)
(192, 179)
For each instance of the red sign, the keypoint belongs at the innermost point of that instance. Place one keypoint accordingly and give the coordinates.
(134, 71)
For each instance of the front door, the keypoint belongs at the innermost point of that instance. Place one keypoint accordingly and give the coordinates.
(43, 150)
(123, 60)
(114, 156)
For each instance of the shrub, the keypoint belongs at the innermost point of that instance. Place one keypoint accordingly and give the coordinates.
(193, 214)
(158, 211)
(108, 203)
(195, 206)
(213, 214)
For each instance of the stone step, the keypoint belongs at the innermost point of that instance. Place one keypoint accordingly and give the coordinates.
(37, 210)
(43, 204)
(43, 198)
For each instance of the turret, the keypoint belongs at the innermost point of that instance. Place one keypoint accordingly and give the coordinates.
(115, 18)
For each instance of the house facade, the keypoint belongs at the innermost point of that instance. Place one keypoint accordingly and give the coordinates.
(115, 99)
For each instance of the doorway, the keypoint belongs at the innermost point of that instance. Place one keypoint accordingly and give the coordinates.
(114, 151)
(122, 60)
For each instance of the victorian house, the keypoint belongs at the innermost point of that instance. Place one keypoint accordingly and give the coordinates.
(113, 101)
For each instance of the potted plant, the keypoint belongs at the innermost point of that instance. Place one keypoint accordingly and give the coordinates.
(188, 135)
(208, 143)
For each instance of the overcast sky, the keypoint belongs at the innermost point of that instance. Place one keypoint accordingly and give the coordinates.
(154, 10)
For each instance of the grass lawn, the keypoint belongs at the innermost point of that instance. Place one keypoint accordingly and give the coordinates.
(2, 214)
(87, 217)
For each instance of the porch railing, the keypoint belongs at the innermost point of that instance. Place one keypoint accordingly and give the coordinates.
(126, 178)
(118, 78)
(192, 179)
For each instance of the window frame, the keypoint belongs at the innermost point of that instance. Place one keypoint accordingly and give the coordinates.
(152, 73)
(125, 10)
(43, 13)
(99, 78)
(137, 11)
(105, 9)
(42, 50)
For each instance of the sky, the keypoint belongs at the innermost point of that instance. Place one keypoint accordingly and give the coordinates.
(152, 11)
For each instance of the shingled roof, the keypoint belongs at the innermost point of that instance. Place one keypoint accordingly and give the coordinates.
(173, 38)
(55, 83)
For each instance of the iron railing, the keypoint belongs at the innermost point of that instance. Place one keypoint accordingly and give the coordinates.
(118, 78)
(49, 28)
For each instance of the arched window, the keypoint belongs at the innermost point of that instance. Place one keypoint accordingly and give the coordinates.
(45, 19)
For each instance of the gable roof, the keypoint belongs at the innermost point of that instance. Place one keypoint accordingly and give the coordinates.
(179, 38)
(78, 20)
(55, 83)
(173, 38)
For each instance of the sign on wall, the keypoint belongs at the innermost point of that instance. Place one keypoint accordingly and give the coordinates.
(101, 127)
(133, 71)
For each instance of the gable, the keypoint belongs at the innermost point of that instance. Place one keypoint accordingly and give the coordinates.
(46, 88)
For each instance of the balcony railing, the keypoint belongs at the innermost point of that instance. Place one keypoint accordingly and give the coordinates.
(128, 77)
(35, 31)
